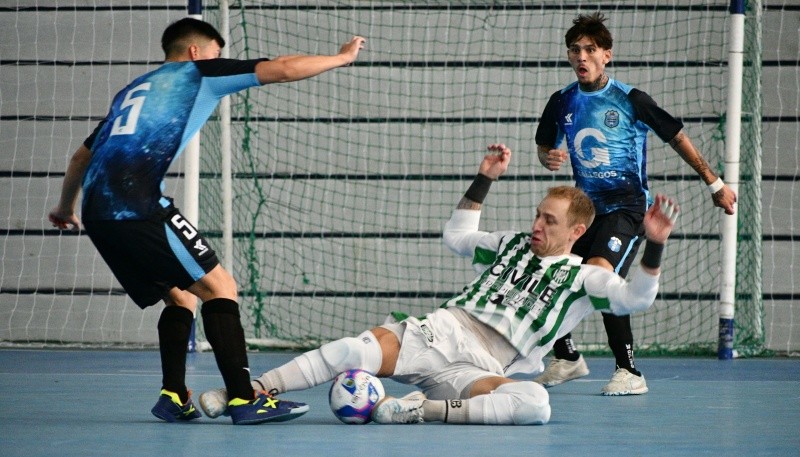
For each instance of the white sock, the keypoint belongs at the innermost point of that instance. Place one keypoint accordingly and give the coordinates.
(322, 365)
(515, 403)
(286, 377)
(449, 411)
(303, 372)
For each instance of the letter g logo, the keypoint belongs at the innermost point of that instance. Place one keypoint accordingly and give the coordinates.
(597, 156)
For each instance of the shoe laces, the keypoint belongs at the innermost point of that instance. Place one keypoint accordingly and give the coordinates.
(407, 410)
(270, 394)
(258, 393)
(410, 416)
(622, 375)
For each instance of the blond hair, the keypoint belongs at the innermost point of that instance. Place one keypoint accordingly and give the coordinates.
(581, 208)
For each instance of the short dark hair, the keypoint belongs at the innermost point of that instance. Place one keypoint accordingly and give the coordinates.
(174, 40)
(590, 26)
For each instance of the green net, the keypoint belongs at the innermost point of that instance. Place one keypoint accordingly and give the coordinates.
(749, 328)
(342, 183)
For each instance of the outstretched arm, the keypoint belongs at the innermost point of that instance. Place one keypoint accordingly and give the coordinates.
(294, 68)
(63, 215)
(461, 232)
(494, 164)
(722, 195)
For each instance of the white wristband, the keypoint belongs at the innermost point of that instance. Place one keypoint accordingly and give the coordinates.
(716, 186)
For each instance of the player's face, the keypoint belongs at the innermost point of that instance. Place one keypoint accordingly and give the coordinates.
(588, 61)
(551, 233)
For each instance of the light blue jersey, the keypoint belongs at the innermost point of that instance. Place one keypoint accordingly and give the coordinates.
(606, 136)
(148, 125)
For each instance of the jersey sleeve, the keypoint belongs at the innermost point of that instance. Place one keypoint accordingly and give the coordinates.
(226, 76)
(655, 117)
(547, 132)
(609, 292)
(461, 232)
(461, 235)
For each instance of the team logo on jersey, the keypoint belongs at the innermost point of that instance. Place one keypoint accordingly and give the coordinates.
(615, 244)
(612, 118)
(568, 119)
(561, 275)
(201, 248)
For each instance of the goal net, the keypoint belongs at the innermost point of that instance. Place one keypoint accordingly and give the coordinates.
(342, 183)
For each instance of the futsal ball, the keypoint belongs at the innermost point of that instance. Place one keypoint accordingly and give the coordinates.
(353, 395)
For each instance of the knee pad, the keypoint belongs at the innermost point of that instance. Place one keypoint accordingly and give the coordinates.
(362, 352)
(532, 402)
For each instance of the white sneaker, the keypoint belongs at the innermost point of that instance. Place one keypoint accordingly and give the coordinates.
(560, 370)
(406, 410)
(623, 382)
(214, 402)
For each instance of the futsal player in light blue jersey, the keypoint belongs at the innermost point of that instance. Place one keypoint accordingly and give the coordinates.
(154, 252)
(604, 124)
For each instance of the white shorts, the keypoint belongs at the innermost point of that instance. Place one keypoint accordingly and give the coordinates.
(440, 356)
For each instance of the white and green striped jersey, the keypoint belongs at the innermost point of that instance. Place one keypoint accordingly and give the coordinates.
(533, 301)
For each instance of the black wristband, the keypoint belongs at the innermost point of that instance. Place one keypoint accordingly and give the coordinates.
(651, 257)
(479, 188)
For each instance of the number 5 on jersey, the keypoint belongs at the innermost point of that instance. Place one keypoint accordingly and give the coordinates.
(126, 124)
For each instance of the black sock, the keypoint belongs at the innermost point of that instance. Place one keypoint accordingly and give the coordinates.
(225, 334)
(174, 327)
(620, 340)
(564, 348)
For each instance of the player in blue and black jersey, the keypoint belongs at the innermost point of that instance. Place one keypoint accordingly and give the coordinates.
(153, 251)
(604, 124)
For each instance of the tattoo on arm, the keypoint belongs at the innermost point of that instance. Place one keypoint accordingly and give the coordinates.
(466, 203)
(684, 147)
(541, 153)
(678, 138)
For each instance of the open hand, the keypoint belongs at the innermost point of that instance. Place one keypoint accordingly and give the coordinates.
(660, 219)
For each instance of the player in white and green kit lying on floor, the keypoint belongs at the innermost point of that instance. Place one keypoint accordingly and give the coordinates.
(530, 291)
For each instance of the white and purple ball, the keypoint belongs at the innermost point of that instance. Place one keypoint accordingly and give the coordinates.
(353, 395)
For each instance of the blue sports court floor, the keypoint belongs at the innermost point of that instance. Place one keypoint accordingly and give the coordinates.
(97, 403)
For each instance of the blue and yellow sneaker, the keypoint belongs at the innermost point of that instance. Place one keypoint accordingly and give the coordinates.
(169, 407)
(265, 408)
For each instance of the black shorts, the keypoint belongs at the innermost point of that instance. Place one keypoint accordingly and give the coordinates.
(615, 236)
(150, 257)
